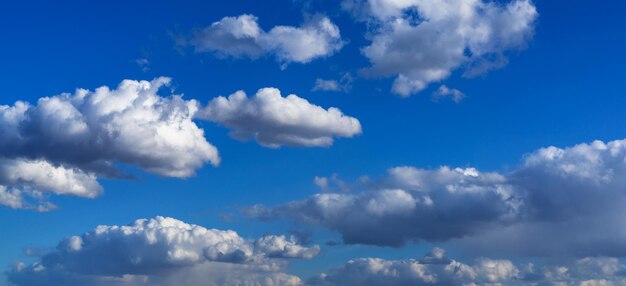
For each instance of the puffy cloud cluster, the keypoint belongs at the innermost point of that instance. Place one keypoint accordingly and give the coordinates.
(437, 269)
(274, 120)
(554, 195)
(61, 144)
(424, 41)
(161, 251)
(242, 36)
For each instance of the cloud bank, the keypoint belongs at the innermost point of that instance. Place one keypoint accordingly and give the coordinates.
(274, 120)
(437, 269)
(166, 252)
(241, 36)
(421, 42)
(535, 210)
(63, 142)
(163, 251)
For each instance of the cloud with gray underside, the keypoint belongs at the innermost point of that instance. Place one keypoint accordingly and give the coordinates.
(164, 251)
(533, 210)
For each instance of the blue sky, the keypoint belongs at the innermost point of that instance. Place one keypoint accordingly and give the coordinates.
(561, 86)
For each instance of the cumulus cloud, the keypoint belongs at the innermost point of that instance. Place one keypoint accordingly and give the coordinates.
(534, 210)
(163, 251)
(437, 269)
(23, 183)
(421, 42)
(414, 204)
(241, 36)
(274, 120)
(60, 144)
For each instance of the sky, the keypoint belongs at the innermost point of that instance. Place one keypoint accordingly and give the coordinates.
(312, 142)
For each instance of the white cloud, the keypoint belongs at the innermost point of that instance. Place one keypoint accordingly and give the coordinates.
(534, 210)
(434, 269)
(280, 247)
(60, 144)
(444, 92)
(326, 85)
(22, 179)
(321, 182)
(162, 251)
(437, 269)
(421, 42)
(242, 36)
(344, 84)
(274, 120)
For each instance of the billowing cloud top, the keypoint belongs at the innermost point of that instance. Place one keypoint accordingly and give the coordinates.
(274, 120)
(60, 144)
(555, 194)
(150, 251)
(242, 36)
(422, 42)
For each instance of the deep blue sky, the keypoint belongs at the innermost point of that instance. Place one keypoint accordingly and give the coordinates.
(565, 88)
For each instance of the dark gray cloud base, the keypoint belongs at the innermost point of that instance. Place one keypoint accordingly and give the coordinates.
(554, 195)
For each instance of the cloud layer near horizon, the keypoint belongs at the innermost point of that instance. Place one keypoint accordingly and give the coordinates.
(437, 269)
(555, 194)
(167, 252)
(164, 251)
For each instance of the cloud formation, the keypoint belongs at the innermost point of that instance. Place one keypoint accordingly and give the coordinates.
(414, 204)
(60, 144)
(274, 120)
(241, 36)
(437, 269)
(163, 251)
(421, 42)
(344, 84)
(444, 92)
(555, 194)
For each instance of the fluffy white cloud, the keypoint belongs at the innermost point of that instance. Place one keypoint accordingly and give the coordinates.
(242, 36)
(161, 251)
(534, 210)
(437, 269)
(60, 144)
(424, 41)
(23, 183)
(274, 120)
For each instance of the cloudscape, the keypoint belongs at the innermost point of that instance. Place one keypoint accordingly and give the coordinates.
(313, 142)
